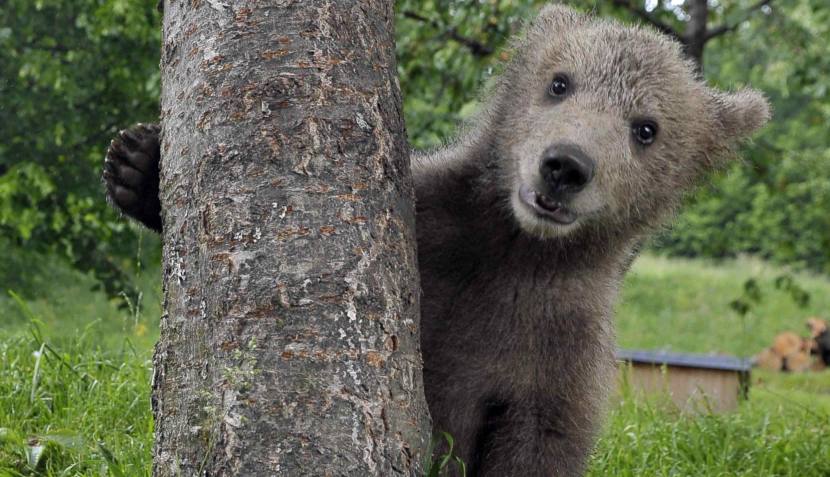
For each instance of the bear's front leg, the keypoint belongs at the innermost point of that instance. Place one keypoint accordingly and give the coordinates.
(131, 174)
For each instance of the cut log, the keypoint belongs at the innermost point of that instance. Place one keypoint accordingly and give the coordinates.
(809, 345)
(817, 326)
(797, 362)
(768, 359)
(786, 343)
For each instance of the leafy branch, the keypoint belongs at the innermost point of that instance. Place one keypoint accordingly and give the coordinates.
(729, 27)
(696, 33)
(477, 48)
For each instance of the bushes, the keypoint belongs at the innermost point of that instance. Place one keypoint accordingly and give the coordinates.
(778, 212)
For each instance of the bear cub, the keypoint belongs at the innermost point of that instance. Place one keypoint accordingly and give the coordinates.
(526, 223)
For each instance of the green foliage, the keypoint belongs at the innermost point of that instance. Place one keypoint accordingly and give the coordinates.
(22, 188)
(773, 204)
(446, 50)
(71, 74)
(753, 294)
(778, 213)
(447, 461)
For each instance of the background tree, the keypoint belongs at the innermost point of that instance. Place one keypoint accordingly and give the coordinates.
(289, 342)
(71, 74)
(690, 21)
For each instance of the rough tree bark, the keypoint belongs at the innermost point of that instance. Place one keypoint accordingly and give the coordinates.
(289, 339)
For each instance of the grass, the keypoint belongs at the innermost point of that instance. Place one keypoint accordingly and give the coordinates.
(772, 434)
(76, 409)
(683, 305)
(63, 302)
(75, 378)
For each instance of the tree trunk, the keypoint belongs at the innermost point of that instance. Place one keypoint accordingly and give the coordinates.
(289, 342)
(694, 38)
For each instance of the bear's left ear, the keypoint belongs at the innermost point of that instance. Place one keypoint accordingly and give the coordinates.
(741, 113)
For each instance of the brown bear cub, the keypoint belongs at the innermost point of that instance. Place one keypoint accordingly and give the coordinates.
(526, 224)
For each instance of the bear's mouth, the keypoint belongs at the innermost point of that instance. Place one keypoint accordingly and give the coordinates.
(546, 207)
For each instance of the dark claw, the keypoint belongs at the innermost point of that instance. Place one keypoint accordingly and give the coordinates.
(152, 129)
(109, 170)
(131, 138)
(116, 147)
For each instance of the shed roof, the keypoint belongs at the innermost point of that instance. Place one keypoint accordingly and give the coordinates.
(704, 361)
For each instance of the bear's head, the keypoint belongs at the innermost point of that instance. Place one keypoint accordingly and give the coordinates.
(604, 126)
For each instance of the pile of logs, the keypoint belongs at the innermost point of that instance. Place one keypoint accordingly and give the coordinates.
(791, 352)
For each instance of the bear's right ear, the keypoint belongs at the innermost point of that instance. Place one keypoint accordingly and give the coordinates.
(741, 113)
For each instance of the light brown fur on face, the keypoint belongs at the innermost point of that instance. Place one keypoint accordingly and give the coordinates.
(619, 75)
(517, 334)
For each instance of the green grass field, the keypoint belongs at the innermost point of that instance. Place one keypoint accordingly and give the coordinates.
(75, 374)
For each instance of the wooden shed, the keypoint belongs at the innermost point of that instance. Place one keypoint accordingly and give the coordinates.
(693, 381)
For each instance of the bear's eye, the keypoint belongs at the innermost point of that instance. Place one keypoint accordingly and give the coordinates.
(645, 132)
(559, 86)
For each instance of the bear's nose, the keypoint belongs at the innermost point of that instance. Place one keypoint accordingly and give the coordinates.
(565, 168)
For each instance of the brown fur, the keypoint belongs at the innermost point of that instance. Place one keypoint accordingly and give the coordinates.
(517, 335)
(517, 331)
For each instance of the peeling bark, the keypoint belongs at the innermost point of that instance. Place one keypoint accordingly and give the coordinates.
(289, 340)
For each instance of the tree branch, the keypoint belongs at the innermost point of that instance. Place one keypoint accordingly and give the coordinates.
(649, 18)
(476, 47)
(726, 28)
